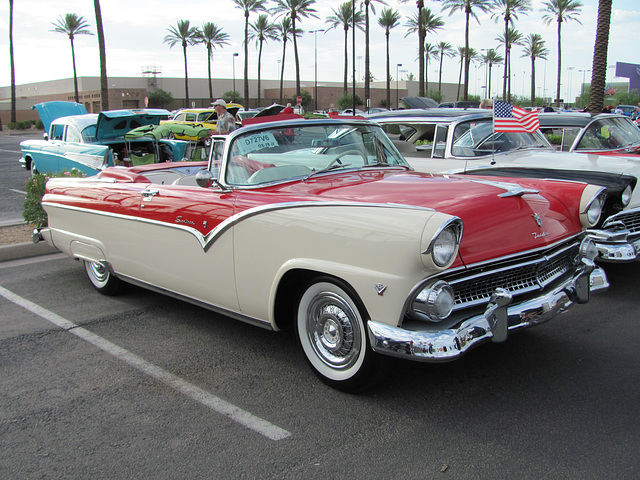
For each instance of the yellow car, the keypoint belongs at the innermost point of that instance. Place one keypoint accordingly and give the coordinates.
(200, 117)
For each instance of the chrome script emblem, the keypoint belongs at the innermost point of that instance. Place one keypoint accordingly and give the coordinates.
(538, 219)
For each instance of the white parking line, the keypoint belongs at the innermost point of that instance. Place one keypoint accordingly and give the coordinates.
(17, 191)
(205, 398)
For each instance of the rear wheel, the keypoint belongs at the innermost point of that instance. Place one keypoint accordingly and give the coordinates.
(102, 279)
(333, 337)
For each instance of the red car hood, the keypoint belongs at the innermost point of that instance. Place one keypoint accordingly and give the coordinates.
(494, 226)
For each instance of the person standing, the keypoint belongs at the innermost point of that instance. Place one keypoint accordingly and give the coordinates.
(226, 122)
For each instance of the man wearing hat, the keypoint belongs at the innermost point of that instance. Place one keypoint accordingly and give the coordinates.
(226, 122)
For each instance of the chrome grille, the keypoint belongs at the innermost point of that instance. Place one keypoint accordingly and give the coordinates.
(519, 276)
(631, 220)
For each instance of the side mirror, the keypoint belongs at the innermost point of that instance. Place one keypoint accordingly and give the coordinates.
(204, 178)
(45, 135)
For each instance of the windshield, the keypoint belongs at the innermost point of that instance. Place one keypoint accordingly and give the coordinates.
(476, 138)
(609, 133)
(299, 151)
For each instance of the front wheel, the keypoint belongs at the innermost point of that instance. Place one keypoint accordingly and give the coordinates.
(102, 279)
(332, 334)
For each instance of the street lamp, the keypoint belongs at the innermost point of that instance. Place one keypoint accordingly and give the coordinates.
(583, 74)
(234, 72)
(570, 70)
(397, 80)
(315, 49)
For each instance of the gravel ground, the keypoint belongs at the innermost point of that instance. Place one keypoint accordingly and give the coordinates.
(15, 234)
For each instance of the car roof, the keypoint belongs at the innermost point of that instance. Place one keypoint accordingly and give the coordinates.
(571, 119)
(434, 114)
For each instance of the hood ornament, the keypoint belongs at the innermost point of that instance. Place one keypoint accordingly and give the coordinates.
(538, 219)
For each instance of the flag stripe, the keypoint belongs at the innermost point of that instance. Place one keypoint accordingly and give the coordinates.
(509, 118)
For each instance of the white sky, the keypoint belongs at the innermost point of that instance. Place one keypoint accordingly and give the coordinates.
(134, 32)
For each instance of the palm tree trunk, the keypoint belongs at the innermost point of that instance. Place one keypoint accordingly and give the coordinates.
(533, 81)
(440, 73)
(599, 66)
(284, 50)
(246, 59)
(346, 59)
(506, 58)
(508, 73)
(259, 66)
(13, 69)
(104, 82)
(459, 79)
(559, 64)
(75, 76)
(388, 73)
(186, 75)
(489, 82)
(367, 75)
(295, 54)
(209, 73)
(421, 36)
(467, 58)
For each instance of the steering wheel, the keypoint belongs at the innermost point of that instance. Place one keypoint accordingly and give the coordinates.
(345, 153)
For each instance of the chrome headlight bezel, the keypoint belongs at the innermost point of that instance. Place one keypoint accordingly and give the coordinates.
(443, 246)
(588, 248)
(592, 208)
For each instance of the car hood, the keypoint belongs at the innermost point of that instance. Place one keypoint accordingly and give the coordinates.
(116, 123)
(50, 111)
(494, 226)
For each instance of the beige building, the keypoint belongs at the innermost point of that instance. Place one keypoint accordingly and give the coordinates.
(132, 92)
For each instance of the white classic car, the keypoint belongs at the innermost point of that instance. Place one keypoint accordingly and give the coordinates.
(463, 141)
(322, 226)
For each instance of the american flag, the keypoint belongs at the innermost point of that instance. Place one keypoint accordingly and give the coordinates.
(508, 118)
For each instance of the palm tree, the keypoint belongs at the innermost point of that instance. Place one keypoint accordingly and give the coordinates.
(72, 25)
(430, 53)
(421, 36)
(248, 7)
(212, 36)
(469, 7)
(261, 31)
(512, 37)
(444, 49)
(389, 19)
(509, 10)
(599, 66)
(296, 9)
(343, 17)
(13, 68)
(466, 55)
(285, 33)
(534, 48)
(367, 59)
(430, 23)
(104, 82)
(491, 58)
(186, 35)
(560, 11)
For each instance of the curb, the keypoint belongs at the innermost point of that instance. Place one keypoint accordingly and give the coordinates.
(24, 250)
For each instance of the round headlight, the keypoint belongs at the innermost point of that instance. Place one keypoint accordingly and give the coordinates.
(434, 303)
(626, 195)
(594, 210)
(588, 248)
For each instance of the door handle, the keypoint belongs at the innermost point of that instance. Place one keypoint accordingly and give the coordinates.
(149, 193)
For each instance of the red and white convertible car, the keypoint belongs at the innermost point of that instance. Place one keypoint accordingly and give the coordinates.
(322, 225)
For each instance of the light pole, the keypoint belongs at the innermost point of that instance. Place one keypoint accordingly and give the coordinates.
(234, 72)
(315, 50)
(570, 70)
(583, 74)
(397, 80)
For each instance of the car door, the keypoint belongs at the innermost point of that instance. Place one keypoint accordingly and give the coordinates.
(187, 242)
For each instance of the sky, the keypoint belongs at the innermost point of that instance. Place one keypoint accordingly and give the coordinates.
(135, 29)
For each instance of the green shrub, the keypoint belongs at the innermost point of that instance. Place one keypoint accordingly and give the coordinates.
(32, 210)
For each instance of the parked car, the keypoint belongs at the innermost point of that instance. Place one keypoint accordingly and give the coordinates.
(90, 142)
(450, 140)
(200, 117)
(322, 226)
(604, 134)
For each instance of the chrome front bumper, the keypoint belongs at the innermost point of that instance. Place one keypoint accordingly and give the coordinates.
(615, 245)
(499, 318)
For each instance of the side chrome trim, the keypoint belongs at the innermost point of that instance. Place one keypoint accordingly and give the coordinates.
(207, 240)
